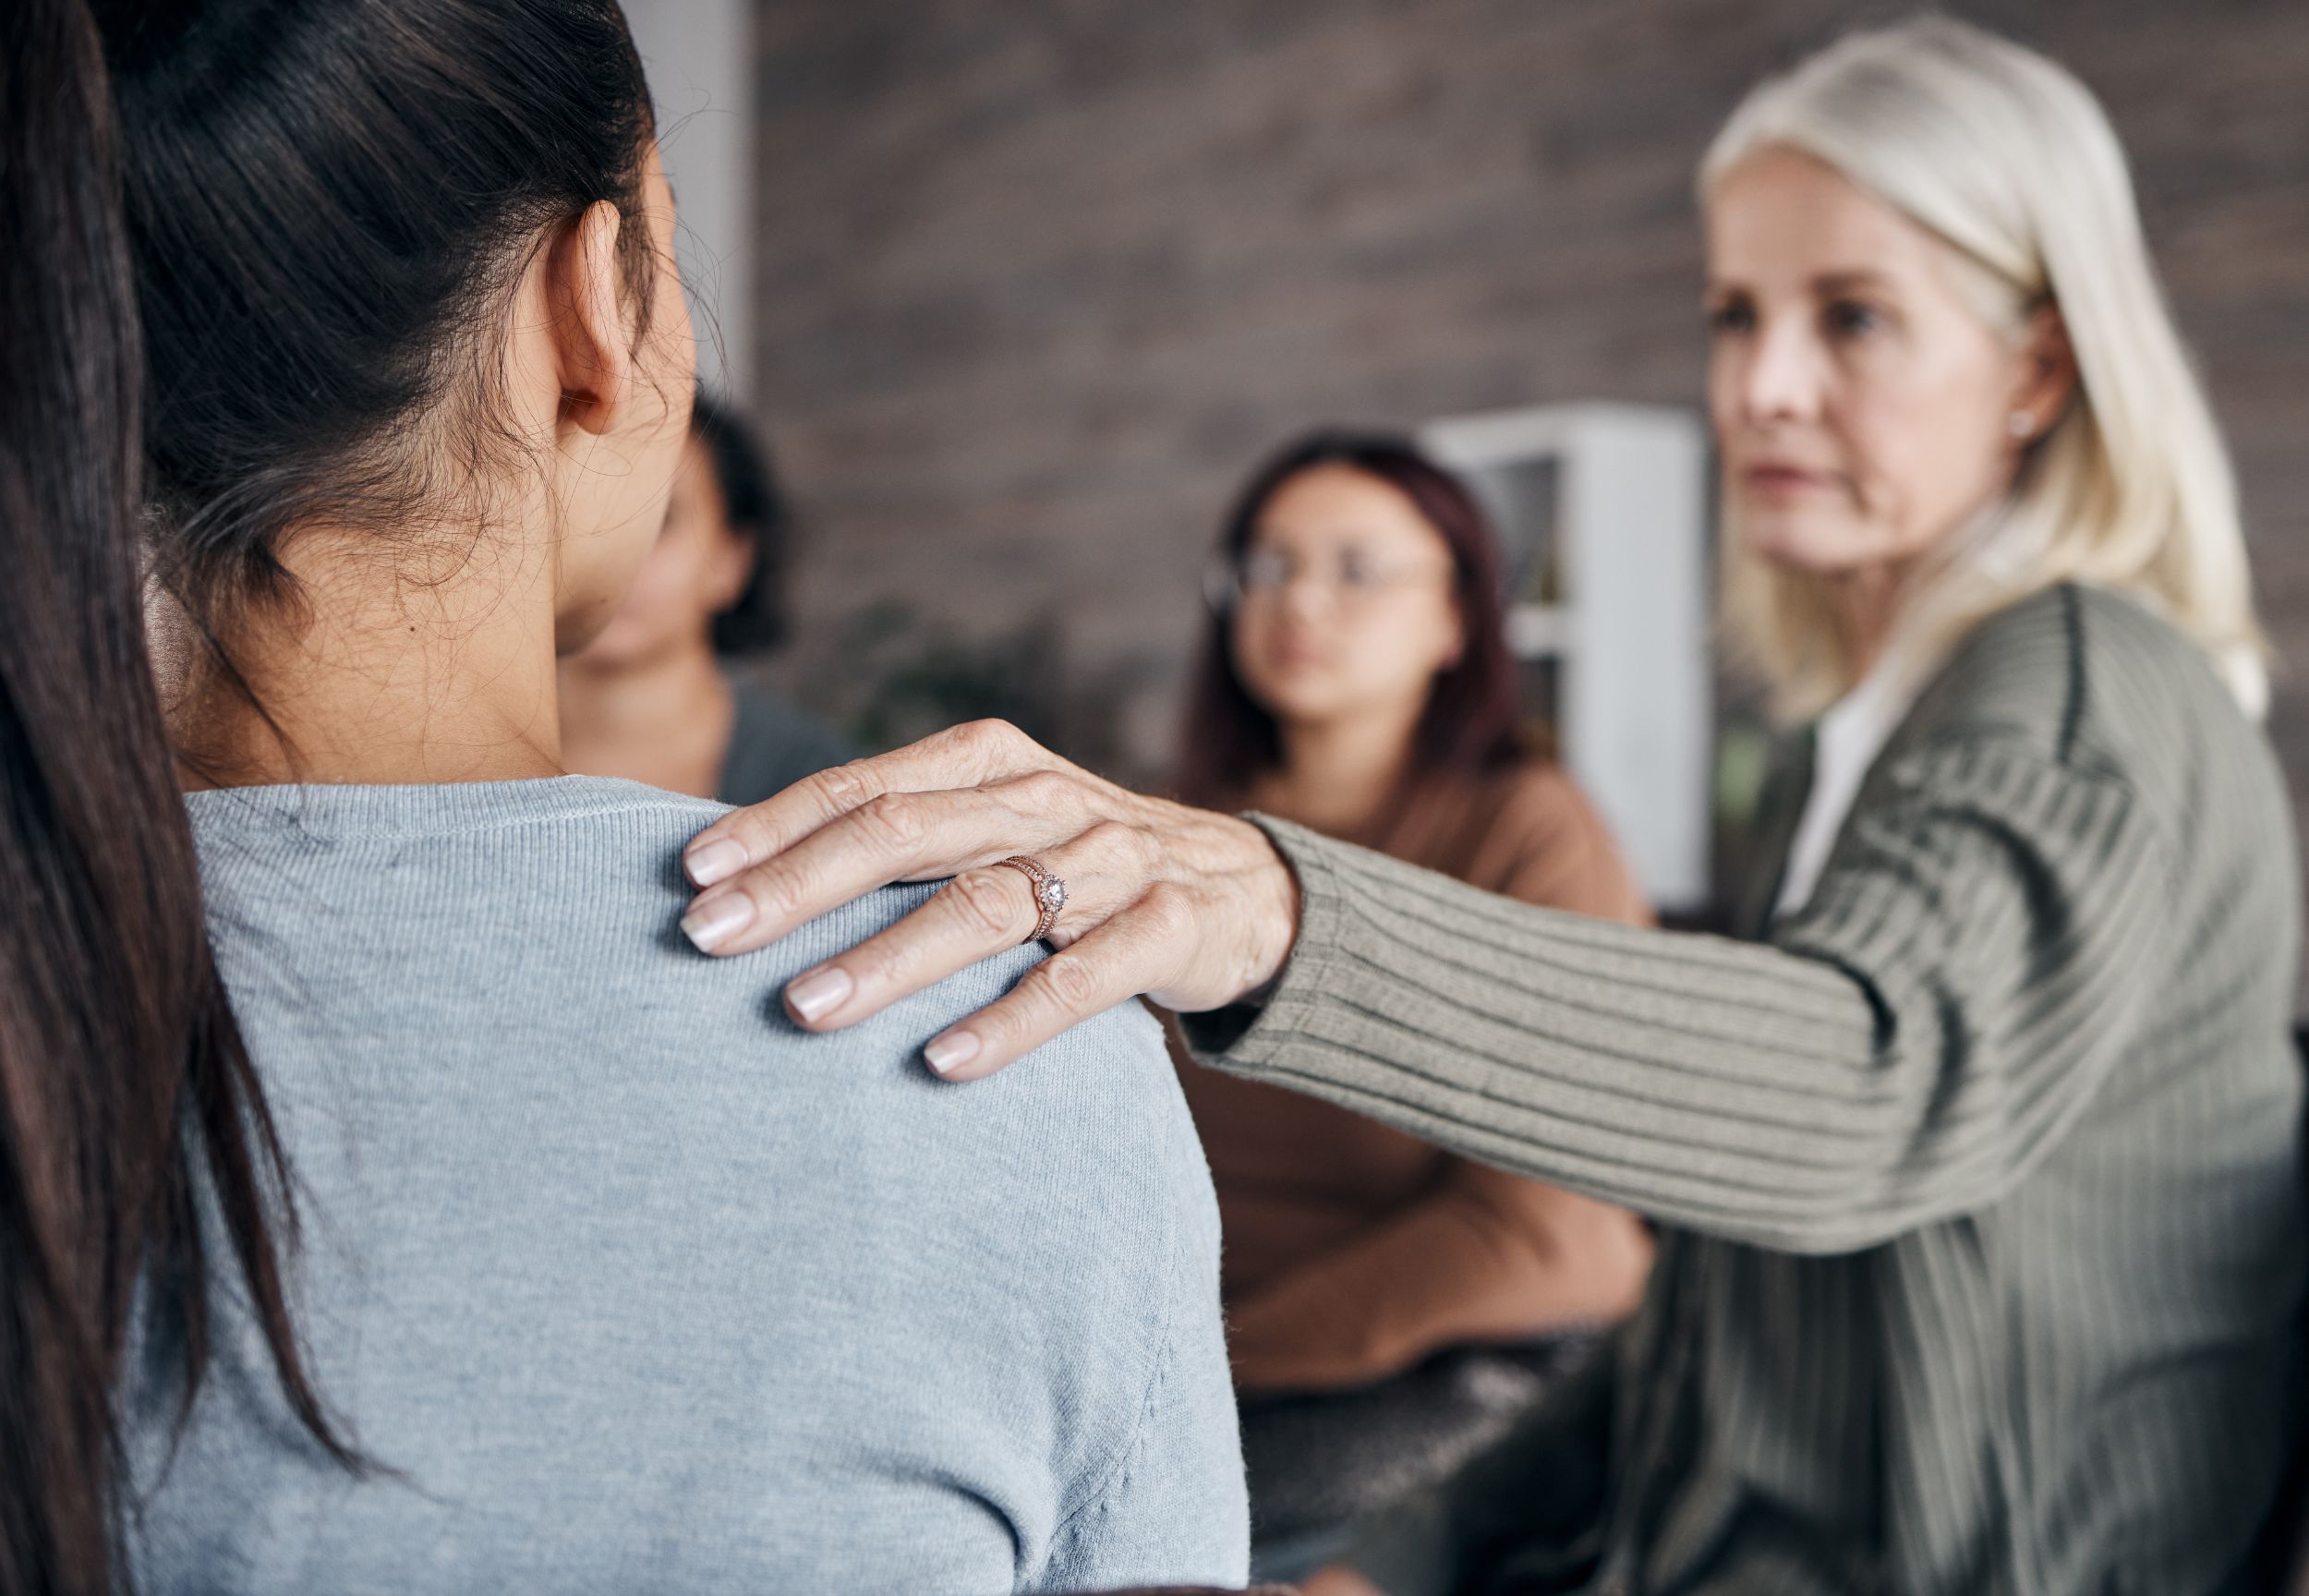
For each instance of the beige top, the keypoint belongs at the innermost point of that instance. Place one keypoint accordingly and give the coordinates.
(1353, 1251)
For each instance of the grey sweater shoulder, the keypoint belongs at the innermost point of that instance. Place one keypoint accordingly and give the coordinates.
(624, 1282)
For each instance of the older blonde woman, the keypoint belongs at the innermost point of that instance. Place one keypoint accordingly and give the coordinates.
(1979, 1173)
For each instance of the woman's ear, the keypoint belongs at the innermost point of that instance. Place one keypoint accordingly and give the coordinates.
(730, 569)
(2047, 376)
(592, 346)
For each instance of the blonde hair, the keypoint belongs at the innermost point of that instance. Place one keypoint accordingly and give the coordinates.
(2009, 160)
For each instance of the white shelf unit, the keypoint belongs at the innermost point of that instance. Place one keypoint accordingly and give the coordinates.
(1617, 497)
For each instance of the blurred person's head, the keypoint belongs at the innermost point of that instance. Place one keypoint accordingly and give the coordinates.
(714, 579)
(1941, 364)
(1354, 580)
(415, 341)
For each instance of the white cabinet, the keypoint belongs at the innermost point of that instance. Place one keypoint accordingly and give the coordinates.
(1604, 512)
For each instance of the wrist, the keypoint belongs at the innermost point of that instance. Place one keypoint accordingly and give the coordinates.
(1277, 923)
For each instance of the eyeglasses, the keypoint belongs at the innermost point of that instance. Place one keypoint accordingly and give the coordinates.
(1347, 575)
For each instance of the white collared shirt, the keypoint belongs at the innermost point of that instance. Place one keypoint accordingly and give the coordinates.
(1846, 741)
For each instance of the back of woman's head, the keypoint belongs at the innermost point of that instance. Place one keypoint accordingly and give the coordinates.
(329, 206)
(2009, 159)
(1472, 717)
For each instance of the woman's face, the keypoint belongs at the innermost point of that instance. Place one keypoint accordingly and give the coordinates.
(1864, 407)
(697, 568)
(613, 502)
(1346, 605)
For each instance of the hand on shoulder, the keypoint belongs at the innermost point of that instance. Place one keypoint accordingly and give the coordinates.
(1191, 908)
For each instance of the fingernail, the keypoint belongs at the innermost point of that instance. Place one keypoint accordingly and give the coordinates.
(716, 861)
(952, 1051)
(716, 920)
(821, 992)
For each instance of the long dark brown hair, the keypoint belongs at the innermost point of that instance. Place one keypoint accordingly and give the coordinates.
(234, 277)
(1471, 723)
(124, 1090)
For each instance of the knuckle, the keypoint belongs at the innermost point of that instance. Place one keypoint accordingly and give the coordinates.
(986, 902)
(1128, 848)
(845, 786)
(1146, 848)
(1067, 984)
(776, 892)
(978, 751)
(894, 819)
(1001, 1024)
(1167, 913)
(988, 736)
(1043, 789)
(1005, 1025)
(889, 962)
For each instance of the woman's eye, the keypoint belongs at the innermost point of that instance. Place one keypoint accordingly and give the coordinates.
(1850, 319)
(1357, 571)
(1266, 572)
(1732, 318)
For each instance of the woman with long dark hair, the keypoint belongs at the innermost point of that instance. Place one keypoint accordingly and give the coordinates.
(595, 1290)
(1389, 1305)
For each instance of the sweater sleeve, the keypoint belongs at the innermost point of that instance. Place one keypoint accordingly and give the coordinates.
(1907, 1047)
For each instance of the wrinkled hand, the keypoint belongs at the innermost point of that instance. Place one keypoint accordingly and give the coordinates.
(1191, 908)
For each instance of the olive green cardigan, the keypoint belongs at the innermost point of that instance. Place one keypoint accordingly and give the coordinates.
(1979, 1177)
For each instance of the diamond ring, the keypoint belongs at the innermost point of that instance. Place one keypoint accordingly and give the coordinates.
(1050, 894)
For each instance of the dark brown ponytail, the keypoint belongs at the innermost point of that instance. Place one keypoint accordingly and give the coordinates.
(124, 1087)
(244, 245)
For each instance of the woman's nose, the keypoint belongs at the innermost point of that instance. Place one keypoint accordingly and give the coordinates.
(1308, 593)
(1783, 379)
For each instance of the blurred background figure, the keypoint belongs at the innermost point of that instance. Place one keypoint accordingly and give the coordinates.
(1390, 1307)
(662, 697)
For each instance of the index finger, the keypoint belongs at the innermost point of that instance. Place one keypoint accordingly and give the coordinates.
(965, 756)
(897, 837)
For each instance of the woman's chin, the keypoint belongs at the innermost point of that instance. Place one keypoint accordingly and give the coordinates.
(1293, 695)
(615, 646)
(1802, 547)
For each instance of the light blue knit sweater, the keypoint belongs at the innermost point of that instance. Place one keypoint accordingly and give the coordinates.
(636, 1287)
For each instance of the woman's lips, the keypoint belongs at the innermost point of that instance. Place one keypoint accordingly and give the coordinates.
(1774, 479)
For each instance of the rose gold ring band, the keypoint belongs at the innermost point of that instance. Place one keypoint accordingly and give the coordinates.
(1050, 894)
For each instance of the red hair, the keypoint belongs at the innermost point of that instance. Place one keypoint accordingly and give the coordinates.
(1472, 721)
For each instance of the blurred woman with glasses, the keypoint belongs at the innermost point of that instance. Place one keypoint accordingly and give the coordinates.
(1389, 1305)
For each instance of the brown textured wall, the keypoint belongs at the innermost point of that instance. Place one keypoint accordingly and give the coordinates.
(1039, 279)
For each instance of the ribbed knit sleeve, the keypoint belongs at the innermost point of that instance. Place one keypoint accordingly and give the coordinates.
(1906, 1048)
